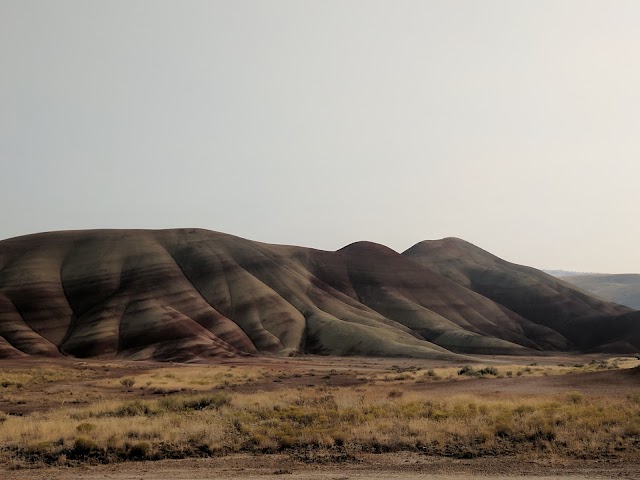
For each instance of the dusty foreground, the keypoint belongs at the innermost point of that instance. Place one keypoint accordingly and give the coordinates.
(321, 418)
(400, 466)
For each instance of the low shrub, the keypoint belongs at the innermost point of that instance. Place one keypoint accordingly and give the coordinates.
(470, 371)
(575, 397)
(139, 450)
(467, 370)
(488, 371)
(6, 383)
(133, 409)
(39, 448)
(128, 382)
(84, 446)
(86, 427)
(202, 402)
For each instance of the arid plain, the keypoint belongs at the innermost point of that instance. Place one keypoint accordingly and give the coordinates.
(556, 415)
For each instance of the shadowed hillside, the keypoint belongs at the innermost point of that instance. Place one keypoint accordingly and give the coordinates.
(545, 300)
(188, 295)
(623, 288)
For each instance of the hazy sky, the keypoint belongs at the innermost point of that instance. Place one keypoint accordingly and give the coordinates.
(512, 124)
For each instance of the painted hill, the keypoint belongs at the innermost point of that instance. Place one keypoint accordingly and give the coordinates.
(623, 288)
(587, 322)
(188, 295)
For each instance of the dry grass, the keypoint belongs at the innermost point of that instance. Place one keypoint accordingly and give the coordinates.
(198, 378)
(12, 379)
(570, 425)
(408, 374)
(206, 417)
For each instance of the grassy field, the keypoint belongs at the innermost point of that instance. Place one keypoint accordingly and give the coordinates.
(318, 409)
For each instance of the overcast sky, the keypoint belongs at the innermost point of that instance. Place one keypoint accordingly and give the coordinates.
(514, 125)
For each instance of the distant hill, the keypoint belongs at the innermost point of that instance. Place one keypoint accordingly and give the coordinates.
(189, 295)
(567, 273)
(623, 288)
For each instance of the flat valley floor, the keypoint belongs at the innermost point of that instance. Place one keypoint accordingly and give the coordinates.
(316, 417)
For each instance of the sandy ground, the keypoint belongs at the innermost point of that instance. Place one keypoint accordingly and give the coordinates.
(404, 466)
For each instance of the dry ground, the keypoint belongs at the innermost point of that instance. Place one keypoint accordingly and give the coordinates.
(320, 417)
(396, 466)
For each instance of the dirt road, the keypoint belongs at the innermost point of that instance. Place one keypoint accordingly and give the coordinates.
(403, 466)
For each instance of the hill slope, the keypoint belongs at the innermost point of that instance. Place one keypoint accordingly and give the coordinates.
(586, 321)
(623, 288)
(188, 295)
